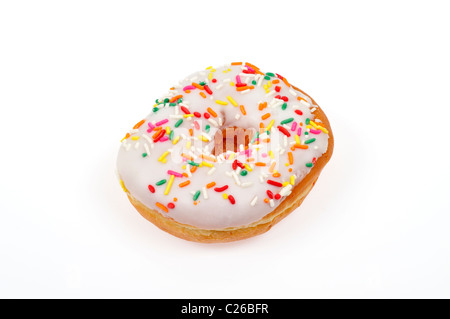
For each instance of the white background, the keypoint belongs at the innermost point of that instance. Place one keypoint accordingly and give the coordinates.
(76, 75)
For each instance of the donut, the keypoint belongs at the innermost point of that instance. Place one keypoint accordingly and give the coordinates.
(226, 154)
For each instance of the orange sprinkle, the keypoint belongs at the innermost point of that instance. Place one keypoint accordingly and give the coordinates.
(164, 208)
(290, 170)
(275, 81)
(236, 63)
(175, 199)
(198, 86)
(303, 147)
(266, 140)
(212, 184)
(189, 157)
(191, 132)
(252, 66)
(251, 159)
(195, 203)
(188, 91)
(126, 136)
(271, 168)
(242, 110)
(193, 169)
(203, 95)
(210, 111)
(301, 123)
(291, 158)
(138, 125)
(286, 82)
(276, 175)
(242, 88)
(262, 106)
(185, 174)
(175, 98)
(266, 200)
(157, 132)
(172, 88)
(300, 98)
(186, 183)
(207, 157)
(265, 116)
(260, 164)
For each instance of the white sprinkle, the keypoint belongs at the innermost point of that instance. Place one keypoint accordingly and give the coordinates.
(261, 78)
(205, 193)
(220, 121)
(213, 122)
(305, 103)
(236, 178)
(134, 131)
(194, 78)
(261, 179)
(147, 138)
(136, 145)
(245, 91)
(147, 150)
(271, 203)
(293, 92)
(285, 190)
(253, 202)
(211, 171)
(247, 184)
(219, 86)
(238, 116)
(313, 109)
(271, 93)
(226, 80)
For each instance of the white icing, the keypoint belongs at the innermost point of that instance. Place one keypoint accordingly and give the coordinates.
(212, 210)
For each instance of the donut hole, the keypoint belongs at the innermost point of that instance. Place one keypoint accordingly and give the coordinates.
(231, 139)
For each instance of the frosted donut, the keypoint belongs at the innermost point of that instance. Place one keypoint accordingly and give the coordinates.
(225, 154)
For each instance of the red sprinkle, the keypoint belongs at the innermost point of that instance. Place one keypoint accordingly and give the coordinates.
(240, 164)
(185, 110)
(221, 189)
(171, 205)
(284, 131)
(151, 188)
(234, 165)
(231, 198)
(207, 89)
(240, 85)
(278, 88)
(213, 80)
(277, 196)
(285, 98)
(158, 137)
(248, 71)
(299, 112)
(274, 183)
(270, 194)
(197, 114)
(314, 160)
(206, 115)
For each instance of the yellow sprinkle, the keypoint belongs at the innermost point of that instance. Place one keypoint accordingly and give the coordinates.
(232, 83)
(135, 138)
(163, 156)
(167, 130)
(188, 144)
(210, 76)
(271, 154)
(297, 139)
(225, 196)
(209, 67)
(188, 115)
(220, 102)
(269, 84)
(203, 138)
(175, 140)
(270, 125)
(123, 186)
(183, 167)
(308, 126)
(232, 101)
(248, 167)
(164, 161)
(207, 164)
(292, 179)
(285, 184)
(231, 156)
(169, 184)
(323, 129)
(287, 164)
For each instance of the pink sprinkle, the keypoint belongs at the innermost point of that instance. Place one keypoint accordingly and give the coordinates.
(264, 154)
(174, 173)
(163, 139)
(161, 122)
(238, 79)
(196, 125)
(189, 87)
(299, 131)
(250, 69)
(294, 126)
(315, 131)
(150, 127)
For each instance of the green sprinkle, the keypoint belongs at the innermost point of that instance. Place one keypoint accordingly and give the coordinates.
(180, 100)
(307, 121)
(202, 83)
(144, 154)
(157, 101)
(172, 104)
(267, 78)
(193, 163)
(161, 182)
(310, 141)
(155, 109)
(270, 74)
(207, 127)
(306, 133)
(166, 100)
(171, 135)
(284, 106)
(309, 164)
(286, 121)
(243, 172)
(178, 123)
(254, 82)
(196, 195)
